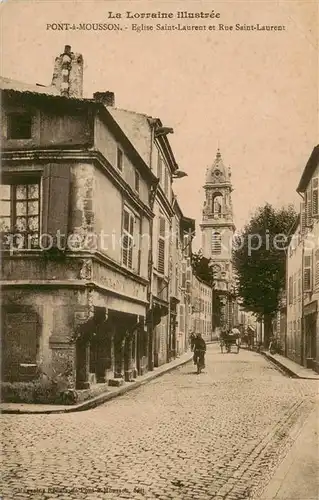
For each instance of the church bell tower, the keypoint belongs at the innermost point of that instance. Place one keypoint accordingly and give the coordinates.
(218, 229)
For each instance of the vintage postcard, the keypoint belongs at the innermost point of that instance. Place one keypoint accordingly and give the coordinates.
(159, 216)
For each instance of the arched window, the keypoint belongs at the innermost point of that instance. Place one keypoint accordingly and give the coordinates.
(216, 243)
(217, 204)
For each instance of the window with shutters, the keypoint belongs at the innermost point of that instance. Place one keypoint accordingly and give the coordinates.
(290, 290)
(128, 238)
(161, 245)
(317, 269)
(20, 213)
(315, 207)
(216, 243)
(307, 273)
(308, 207)
(302, 217)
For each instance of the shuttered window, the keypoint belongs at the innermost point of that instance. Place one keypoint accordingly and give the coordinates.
(302, 217)
(308, 206)
(216, 243)
(56, 199)
(317, 269)
(315, 207)
(127, 238)
(176, 279)
(161, 246)
(307, 273)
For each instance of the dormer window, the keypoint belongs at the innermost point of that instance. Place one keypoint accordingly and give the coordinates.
(19, 126)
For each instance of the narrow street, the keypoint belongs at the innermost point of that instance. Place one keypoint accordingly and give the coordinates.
(219, 435)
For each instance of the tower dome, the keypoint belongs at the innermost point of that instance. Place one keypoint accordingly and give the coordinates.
(217, 173)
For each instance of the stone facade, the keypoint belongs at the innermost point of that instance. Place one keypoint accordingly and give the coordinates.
(87, 236)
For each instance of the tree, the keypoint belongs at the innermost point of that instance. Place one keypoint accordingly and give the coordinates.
(202, 269)
(259, 260)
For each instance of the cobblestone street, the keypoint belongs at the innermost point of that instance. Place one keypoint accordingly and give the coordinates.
(219, 435)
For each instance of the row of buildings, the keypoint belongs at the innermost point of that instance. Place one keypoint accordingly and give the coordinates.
(297, 323)
(97, 282)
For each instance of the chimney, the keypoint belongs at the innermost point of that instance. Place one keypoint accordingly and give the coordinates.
(106, 98)
(68, 73)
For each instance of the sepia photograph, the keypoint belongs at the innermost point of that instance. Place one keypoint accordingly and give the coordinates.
(159, 218)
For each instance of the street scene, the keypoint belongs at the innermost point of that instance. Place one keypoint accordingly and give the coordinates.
(219, 435)
(159, 245)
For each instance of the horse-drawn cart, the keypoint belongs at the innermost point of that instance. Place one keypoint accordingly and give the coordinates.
(228, 341)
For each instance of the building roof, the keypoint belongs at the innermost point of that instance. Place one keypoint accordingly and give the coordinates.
(137, 128)
(309, 169)
(9, 84)
(217, 173)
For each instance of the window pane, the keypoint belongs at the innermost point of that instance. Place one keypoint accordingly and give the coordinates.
(5, 191)
(19, 126)
(33, 208)
(4, 208)
(21, 224)
(5, 224)
(33, 241)
(33, 223)
(21, 208)
(126, 220)
(21, 192)
(33, 190)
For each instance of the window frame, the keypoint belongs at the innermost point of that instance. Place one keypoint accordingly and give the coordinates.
(119, 159)
(216, 250)
(9, 125)
(130, 235)
(307, 277)
(13, 181)
(161, 265)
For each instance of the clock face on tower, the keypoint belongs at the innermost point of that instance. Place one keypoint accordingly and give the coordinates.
(216, 268)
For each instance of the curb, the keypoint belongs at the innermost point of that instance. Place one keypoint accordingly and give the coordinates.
(98, 400)
(284, 368)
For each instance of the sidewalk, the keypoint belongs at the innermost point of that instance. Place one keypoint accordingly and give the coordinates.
(112, 392)
(290, 367)
(296, 478)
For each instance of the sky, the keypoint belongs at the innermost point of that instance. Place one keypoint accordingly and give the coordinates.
(254, 94)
